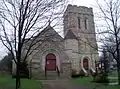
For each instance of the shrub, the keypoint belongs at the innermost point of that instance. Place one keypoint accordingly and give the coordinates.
(101, 78)
(24, 72)
(81, 73)
(74, 73)
(23, 69)
(94, 74)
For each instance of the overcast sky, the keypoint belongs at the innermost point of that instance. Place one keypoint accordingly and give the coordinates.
(87, 3)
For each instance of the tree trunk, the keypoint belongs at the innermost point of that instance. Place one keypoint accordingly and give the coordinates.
(18, 62)
(17, 77)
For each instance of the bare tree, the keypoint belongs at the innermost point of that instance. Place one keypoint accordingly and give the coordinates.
(110, 16)
(24, 19)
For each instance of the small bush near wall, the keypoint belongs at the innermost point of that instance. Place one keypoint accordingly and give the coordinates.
(74, 73)
(94, 74)
(24, 72)
(101, 78)
(81, 73)
(4, 73)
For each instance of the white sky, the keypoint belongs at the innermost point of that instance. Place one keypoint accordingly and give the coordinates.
(87, 3)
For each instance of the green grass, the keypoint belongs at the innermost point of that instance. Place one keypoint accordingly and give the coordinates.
(86, 81)
(113, 74)
(109, 87)
(113, 80)
(6, 82)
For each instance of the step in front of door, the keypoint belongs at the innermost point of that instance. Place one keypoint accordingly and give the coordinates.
(49, 75)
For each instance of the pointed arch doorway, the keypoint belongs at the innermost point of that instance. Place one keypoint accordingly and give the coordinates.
(50, 62)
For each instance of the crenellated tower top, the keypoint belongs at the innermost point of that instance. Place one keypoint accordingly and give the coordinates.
(78, 19)
(78, 9)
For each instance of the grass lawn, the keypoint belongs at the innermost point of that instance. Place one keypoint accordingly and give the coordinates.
(109, 87)
(86, 81)
(113, 74)
(6, 82)
(113, 80)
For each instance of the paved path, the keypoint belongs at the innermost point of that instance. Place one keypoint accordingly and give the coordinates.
(62, 84)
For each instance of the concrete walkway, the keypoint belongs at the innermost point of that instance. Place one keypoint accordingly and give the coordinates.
(62, 84)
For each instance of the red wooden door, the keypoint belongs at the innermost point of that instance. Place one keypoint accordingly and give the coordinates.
(50, 62)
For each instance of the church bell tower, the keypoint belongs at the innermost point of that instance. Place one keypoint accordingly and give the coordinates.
(80, 21)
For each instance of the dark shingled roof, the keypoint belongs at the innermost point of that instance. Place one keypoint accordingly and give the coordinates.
(70, 35)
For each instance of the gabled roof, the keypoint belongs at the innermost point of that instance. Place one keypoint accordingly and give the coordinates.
(70, 35)
(50, 33)
(47, 33)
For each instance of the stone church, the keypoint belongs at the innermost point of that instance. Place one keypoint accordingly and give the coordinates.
(77, 50)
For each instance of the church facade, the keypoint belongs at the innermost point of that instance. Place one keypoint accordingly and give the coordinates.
(77, 50)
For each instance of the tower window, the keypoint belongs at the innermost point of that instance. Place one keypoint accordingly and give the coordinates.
(86, 23)
(79, 25)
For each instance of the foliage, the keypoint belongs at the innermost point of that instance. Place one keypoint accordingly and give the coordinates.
(74, 73)
(113, 74)
(86, 81)
(24, 72)
(101, 78)
(94, 74)
(81, 73)
(23, 69)
(110, 17)
(6, 63)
